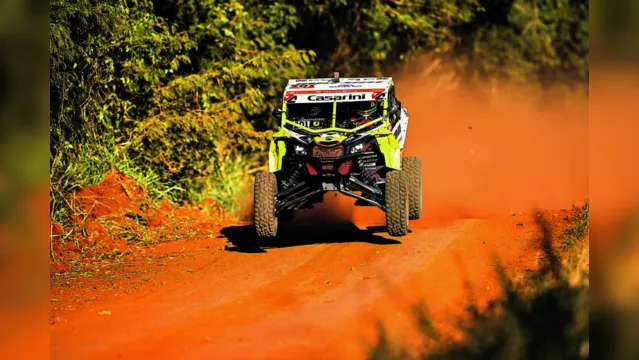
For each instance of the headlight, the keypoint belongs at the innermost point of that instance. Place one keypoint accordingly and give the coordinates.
(300, 150)
(357, 148)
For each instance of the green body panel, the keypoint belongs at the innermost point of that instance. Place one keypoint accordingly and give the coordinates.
(389, 147)
(338, 138)
(277, 150)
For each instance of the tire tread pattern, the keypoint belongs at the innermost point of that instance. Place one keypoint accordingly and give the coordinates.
(412, 168)
(265, 192)
(396, 203)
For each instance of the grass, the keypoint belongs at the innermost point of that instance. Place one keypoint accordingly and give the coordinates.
(229, 187)
(91, 161)
(545, 315)
(578, 226)
(88, 165)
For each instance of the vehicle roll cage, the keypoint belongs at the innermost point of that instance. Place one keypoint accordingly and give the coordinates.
(280, 113)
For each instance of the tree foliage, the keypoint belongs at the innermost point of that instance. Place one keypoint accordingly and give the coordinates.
(172, 93)
(528, 41)
(369, 37)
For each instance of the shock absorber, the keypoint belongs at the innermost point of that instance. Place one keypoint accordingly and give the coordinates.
(293, 175)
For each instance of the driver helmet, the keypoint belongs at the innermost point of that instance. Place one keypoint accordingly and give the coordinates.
(366, 108)
(313, 111)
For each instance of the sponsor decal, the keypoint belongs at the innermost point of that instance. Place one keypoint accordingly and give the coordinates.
(337, 97)
(366, 81)
(342, 80)
(302, 80)
(303, 86)
(331, 152)
(379, 95)
(335, 91)
(344, 86)
(398, 131)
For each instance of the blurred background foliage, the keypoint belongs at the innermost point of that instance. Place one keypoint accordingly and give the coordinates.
(169, 91)
(21, 81)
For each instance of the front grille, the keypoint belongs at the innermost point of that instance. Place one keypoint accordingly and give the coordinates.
(330, 152)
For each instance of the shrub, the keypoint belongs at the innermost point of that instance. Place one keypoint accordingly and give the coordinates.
(545, 316)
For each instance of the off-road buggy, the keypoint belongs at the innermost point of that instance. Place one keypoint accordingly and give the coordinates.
(339, 134)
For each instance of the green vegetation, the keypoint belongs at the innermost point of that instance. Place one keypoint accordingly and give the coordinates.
(538, 41)
(544, 316)
(168, 98)
(579, 225)
(23, 130)
(177, 94)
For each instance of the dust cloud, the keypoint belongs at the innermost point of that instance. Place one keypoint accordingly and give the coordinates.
(491, 151)
(614, 152)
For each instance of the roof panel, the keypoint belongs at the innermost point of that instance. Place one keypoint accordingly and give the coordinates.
(344, 83)
(347, 89)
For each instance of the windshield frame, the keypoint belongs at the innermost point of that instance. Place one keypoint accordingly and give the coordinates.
(333, 127)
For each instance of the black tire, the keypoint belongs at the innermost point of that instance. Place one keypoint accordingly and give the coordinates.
(265, 192)
(396, 203)
(412, 169)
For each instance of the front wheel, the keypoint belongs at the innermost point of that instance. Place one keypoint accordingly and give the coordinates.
(412, 168)
(265, 193)
(396, 203)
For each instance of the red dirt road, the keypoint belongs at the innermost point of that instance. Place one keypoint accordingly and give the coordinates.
(317, 292)
(299, 297)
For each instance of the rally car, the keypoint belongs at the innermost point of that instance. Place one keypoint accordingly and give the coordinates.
(341, 135)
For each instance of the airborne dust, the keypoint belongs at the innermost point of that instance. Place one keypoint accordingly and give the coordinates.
(489, 151)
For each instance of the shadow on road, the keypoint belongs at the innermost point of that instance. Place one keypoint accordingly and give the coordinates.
(243, 238)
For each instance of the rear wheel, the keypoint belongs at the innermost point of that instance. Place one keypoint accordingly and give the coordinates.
(412, 169)
(396, 203)
(265, 192)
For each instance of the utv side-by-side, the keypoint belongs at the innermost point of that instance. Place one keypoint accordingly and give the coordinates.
(339, 134)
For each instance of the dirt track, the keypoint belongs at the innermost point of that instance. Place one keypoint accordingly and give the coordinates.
(299, 297)
(318, 292)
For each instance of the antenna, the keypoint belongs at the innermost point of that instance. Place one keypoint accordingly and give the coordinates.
(336, 76)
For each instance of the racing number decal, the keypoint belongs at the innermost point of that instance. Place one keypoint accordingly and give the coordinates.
(290, 98)
(313, 124)
(379, 95)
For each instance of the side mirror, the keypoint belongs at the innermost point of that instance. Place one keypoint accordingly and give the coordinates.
(394, 109)
(277, 113)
